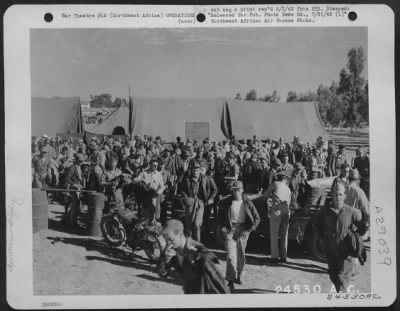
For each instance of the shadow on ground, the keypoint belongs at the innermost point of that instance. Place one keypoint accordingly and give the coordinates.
(252, 291)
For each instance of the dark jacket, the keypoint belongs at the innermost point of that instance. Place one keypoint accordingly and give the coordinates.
(198, 270)
(251, 172)
(211, 186)
(205, 191)
(252, 216)
(73, 177)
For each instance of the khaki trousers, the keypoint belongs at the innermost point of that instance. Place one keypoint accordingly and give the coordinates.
(279, 224)
(235, 246)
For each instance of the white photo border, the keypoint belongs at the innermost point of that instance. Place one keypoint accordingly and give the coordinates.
(20, 19)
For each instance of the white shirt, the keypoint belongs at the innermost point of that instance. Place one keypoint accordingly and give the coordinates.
(238, 213)
(154, 179)
(279, 192)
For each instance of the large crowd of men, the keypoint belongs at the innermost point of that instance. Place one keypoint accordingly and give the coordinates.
(211, 179)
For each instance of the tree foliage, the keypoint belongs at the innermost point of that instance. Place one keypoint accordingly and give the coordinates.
(104, 101)
(252, 95)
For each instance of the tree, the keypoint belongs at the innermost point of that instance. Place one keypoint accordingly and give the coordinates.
(324, 94)
(275, 97)
(364, 106)
(307, 97)
(102, 100)
(291, 97)
(352, 86)
(238, 96)
(252, 95)
(335, 112)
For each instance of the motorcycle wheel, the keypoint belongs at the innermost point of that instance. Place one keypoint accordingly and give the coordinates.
(152, 246)
(112, 230)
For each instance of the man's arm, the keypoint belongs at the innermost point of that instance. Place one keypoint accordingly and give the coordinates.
(256, 216)
(264, 195)
(213, 189)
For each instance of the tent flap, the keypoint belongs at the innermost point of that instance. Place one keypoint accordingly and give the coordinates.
(52, 116)
(170, 118)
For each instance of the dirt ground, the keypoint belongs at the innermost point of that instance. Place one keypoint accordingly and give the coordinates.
(68, 262)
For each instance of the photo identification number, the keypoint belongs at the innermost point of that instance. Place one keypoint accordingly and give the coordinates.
(299, 289)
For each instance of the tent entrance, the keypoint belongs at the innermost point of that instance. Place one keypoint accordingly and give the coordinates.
(118, 130)
(197, 130)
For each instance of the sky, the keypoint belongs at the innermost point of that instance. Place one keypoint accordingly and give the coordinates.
(188, 63)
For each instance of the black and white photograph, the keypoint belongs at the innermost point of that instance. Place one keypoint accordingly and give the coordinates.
(241, 145)
(215, 160)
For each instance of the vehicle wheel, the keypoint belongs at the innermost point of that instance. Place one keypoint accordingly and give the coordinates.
(113, 232)
(316, 246)
(152, 246)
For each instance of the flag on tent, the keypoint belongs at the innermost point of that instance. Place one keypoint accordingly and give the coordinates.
(131, 116)
(79, 127)
(226, 125)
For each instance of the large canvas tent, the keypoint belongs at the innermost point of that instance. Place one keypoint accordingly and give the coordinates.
(201, 118)
(54, 116)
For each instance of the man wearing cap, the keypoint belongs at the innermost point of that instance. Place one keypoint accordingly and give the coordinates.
(169, 160)
(93, 153)
(300, 154)
(278, 196)
(251, 174)
(336, 224)
(237, 217)
(297, 185)
(111, 178)
(193, 187)
(41, 169)
(74, 181)
(153, 178)
(286, 167)
(182, 162)
(169, 181)
(361, 163)
(343, 177)
(315, 167)
(51, 152)
(212, 190)
(199, 157)
(341, 158)
(270, 177)
(264, 172)
(330, 160)
(355, 196)
(231, 168)
(229, 171)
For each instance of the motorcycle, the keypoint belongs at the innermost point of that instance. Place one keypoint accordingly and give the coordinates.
(123, 227)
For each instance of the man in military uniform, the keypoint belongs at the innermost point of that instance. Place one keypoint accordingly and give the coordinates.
(340, 159)
(337, 224)
(41, 169)
(237, 218)
(343, 177)
(361, 163)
